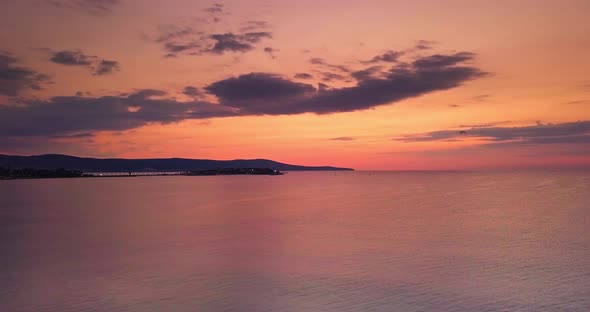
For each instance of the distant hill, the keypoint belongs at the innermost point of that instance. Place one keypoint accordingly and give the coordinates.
(55, 161)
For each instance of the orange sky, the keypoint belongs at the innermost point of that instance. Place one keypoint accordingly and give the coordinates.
(532, 97)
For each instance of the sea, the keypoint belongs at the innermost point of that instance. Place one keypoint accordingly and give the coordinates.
(304, 241)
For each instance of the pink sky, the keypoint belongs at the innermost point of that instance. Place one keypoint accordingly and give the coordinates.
(364, 84)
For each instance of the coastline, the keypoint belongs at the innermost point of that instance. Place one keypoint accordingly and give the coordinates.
(28, 173)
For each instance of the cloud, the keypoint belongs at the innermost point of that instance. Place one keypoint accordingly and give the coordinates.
(15, 79)
(303, 76)
(72, 115)
(184, 38)
(173, 32)
(439, 60)
(244, 95)
(485, 125)
(174, 48)
(176, 40)
(80, 93)
(254, 25)
(367, 73)
(328, 77)
(78, 58)
(94, 7)
(215, 11)
(424, 45)
(72, 58)
(321, 62)
(257, 90)
(106, 67)
(323, 87)
(75, 136)
(388, 57)
(271, 52)
(215, 8)
(262, 93)
(571, 132)
(342, 139)
(192, 92)
(481, 97)
(229, 42)
(577, 102)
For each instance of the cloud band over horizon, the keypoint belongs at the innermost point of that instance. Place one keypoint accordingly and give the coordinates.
(244, 95)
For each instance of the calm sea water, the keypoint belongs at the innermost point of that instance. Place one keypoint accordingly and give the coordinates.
(344, 241)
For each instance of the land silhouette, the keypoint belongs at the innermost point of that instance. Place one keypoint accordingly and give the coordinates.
(91, 165)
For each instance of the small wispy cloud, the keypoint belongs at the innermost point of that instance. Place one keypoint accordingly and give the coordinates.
(344, 138)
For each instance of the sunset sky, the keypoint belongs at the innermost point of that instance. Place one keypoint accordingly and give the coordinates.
(372, 84)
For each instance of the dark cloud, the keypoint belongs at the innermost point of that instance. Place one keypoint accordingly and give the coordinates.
(260, 93)
(388, 57)
(439, 60)
(81, 93)
(328, 77)
(178, 39)
(192, 92)
(342, 139)
(321, 62)
(481, 97)
(367, 73)
(571, 132)
(271, 52)
(173, 32)
(424, 45)
(254, 25)
(185, 39)
(174, 48)
(94, 7)
(71, 115)
(175, 39)
(215, 8)
(257, 90)
(105, 67)
(303, 76)
(323, 87)
(78, 58)
(245, 95)
(229, 43)
(215, 12)
(15, 78)
(254, 37)
(144, 94)
(485, 125)
(74, 136)
(72, 58)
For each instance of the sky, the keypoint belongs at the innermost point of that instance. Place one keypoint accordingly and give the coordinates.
(372, 84)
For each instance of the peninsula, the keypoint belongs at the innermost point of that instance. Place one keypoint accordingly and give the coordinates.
(55, 165)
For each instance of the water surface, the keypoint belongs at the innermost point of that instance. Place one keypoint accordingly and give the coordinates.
(308, 241)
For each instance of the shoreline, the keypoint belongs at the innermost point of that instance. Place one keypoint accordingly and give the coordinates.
(27, 173)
